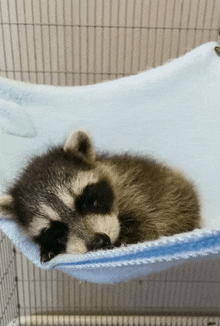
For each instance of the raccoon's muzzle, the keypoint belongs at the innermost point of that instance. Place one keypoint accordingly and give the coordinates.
(100, 241)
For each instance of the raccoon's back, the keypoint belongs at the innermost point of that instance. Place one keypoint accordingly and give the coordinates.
(156, 199)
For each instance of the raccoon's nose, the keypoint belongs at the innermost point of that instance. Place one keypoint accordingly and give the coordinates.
(100, 241)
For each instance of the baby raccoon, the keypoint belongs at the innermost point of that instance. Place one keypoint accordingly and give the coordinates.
(74, 200)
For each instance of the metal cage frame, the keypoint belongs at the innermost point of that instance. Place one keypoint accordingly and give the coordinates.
(81, 42)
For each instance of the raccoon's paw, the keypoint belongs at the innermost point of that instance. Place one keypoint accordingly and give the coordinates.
(46, 256)
(52, 241)
(49, 252)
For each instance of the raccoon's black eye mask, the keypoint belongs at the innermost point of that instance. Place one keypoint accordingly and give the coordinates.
(96, 198)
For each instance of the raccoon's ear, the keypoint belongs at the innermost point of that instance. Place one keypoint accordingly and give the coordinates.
(80, 143)
(7, 206)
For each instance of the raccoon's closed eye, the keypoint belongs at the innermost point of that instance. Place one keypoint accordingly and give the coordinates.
(91, 204)
(95, 203)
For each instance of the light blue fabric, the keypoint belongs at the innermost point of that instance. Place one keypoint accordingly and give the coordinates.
(171, 112)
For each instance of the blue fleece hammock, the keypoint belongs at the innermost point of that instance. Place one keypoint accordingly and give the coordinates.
(171, 112)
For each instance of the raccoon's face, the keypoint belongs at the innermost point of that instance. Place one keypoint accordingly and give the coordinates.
(65, 201)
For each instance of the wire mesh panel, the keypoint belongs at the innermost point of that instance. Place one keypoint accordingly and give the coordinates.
(76, 42)
(79, 42)
(192, 289)
(8, 281)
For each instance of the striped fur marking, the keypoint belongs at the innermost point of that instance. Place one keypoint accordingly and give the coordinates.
(49, 212)
(37, 225)
(84, 179)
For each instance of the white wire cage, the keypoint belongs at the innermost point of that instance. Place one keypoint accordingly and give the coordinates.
(80, 42)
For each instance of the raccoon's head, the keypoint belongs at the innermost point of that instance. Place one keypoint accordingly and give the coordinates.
(64, 200)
